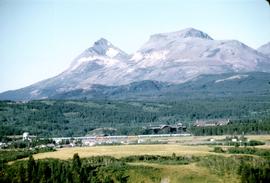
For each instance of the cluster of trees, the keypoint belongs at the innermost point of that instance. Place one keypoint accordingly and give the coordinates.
(49, 118)
(175, 160)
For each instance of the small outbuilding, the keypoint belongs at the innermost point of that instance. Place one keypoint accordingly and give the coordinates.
(26, 136)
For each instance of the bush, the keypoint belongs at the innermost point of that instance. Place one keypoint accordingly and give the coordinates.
(255, 143)
(218, 150)
(252, 174)
(246, 150)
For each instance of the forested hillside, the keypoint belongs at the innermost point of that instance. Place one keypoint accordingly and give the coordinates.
(47, 118)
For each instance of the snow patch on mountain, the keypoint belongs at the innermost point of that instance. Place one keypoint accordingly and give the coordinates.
(236, 77)
(79, 62)
(137, 56)
(111, 52)
(34, 93)
(158, 55)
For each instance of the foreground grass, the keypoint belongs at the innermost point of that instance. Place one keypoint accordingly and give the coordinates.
(190, 173)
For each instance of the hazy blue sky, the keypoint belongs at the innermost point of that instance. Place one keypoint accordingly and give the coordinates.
(39, 38)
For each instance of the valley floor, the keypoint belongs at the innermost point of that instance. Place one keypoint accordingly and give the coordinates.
(178, 145)
(184, 146)
(127, 150)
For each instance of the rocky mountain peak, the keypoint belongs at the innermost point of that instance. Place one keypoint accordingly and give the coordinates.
(182, 34)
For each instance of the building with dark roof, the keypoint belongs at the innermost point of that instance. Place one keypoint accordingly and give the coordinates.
(166, 129)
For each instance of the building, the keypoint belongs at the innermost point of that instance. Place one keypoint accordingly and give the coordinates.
(26, 136)
(165, 129)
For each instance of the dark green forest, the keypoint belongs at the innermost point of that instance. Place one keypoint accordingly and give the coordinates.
(237, 127)
(51, 118)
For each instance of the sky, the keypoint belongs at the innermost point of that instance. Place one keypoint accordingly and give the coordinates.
(40, 38)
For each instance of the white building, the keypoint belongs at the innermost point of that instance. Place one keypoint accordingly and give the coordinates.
(26, 136)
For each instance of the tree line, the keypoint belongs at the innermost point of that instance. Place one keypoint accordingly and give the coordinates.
(237, 127)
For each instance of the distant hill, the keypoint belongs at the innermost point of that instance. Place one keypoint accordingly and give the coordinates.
(219, 85)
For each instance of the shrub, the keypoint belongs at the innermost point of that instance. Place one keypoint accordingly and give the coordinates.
(218, 150)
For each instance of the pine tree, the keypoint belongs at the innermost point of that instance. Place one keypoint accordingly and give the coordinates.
(47, 172)
(76, 168)
(30, 168)
(76, 163)
(21, 174)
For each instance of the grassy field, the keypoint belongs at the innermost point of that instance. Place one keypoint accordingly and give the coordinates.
(201, 139)
(127, 150)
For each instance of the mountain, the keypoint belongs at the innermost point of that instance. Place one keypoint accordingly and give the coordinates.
(102, 58)
(265, 49)
(180, 56)
(165, 59)
(203, 86)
